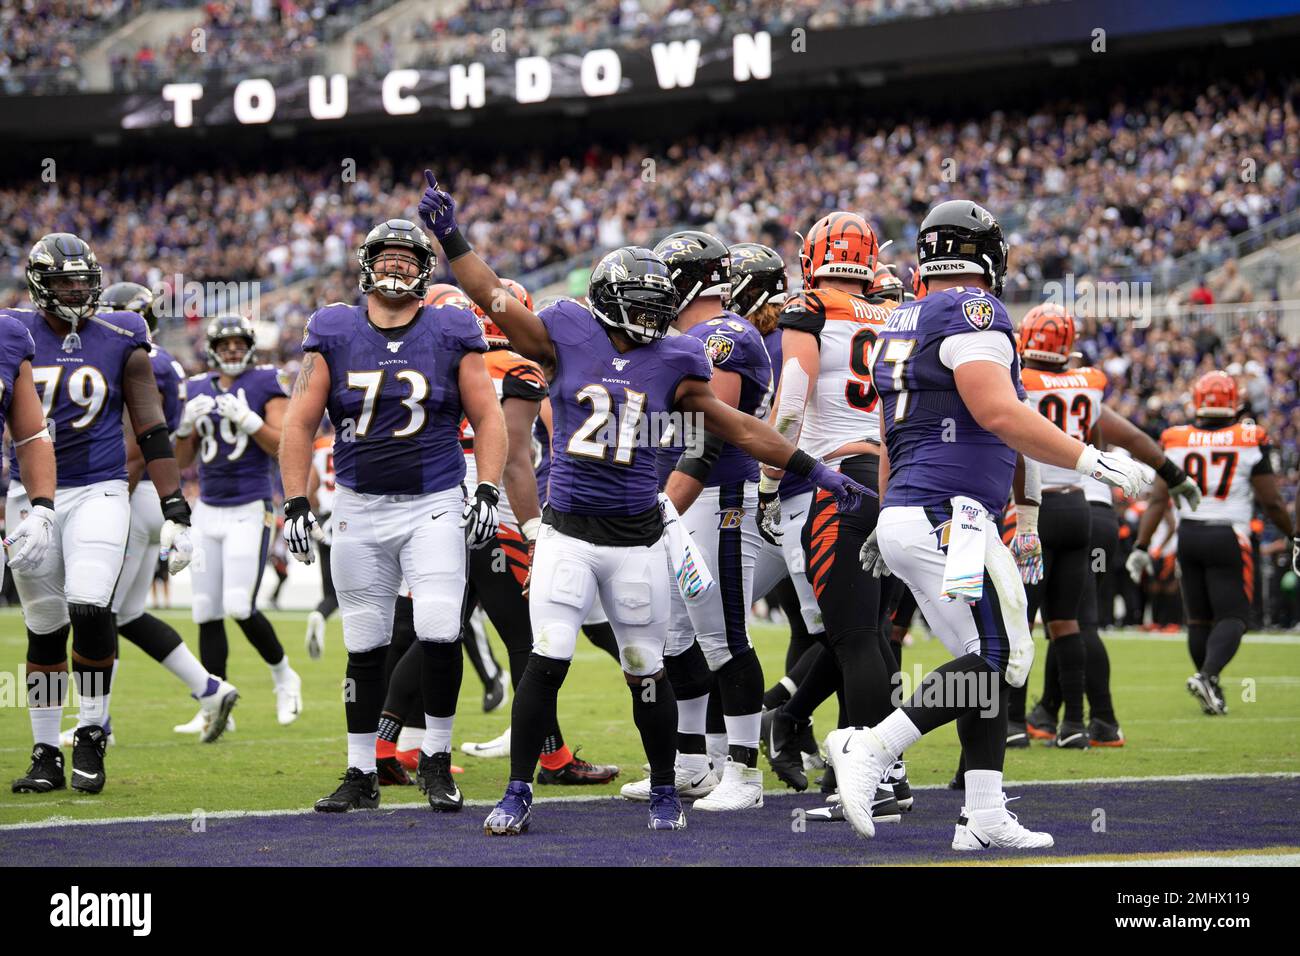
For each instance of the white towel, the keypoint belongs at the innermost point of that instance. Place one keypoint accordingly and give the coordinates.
(963, 572)
(684, 555)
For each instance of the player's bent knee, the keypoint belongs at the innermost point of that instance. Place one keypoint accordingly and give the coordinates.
(717, 655)
(555, 639)
(641, 661)
(93, 636)
(238, 603)
(364, 629)
(47, 649)
(46, 614)
(437, 620)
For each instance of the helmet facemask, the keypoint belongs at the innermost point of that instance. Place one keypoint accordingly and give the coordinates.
(643, 311)
(221, 358)
(395, 270)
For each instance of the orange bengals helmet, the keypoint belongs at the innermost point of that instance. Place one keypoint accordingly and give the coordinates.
(1215, 395)
(496, 339)
(840, 245)
(886, 285)
(442, 293)
(1047, 334)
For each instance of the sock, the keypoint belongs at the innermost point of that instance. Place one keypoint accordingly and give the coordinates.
(779, 693)
(1072, 661)
(983, 790)
(261, 635)
(532, 714)
(442, 664)
(155, 637)
(969, 676)
(1225, 639)
(556, 757)
(602, 635)
(1198, 640)
(897, 732)
(437, 731)
(740, 687)
(654, 710)
(691, 720)
(182, 662)
(983, 732)
(213, 647)
(361, 752)
(819, 683)
(1051, 699)
(389, 731)
(743, 732)
(689, 674)
(410, 738)
(1016, 703)
(365, 680)
(94, 640)
(1097, 677)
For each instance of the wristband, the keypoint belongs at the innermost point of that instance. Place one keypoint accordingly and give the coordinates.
(176, 508)
(43, 503)
(454, 245)
(1026, 519)
(801, 463)
(1141, 547)
(1171, 474)
(766, 485)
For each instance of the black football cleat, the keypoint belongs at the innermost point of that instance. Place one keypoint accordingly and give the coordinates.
(1072, 735)
(358, 791)
(45, 773)
(1017, 736)
(1041, 723)
(391, 773)
(1207, 691)
(577, 772)
(1104, 734)
(496, 692)
(88, 746)
(434, 777)
(783, 749)
(897, 777)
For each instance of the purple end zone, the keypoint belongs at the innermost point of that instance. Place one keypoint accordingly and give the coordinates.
(1155, 817)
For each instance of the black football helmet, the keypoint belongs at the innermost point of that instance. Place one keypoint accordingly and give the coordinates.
(64, 277)
(960, 237)
(630, 290)
(397, 237)
(130, 297)
(230, 327)
(698, 263)
(757, 277)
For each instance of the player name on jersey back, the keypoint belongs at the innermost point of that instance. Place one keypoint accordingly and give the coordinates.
(1071, 400)
(1222, 462)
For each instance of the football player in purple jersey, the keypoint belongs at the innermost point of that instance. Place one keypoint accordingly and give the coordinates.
(230, 428)
(396, 377)
(953, 419)
(614, 371)
(151, 634)
(88, 368)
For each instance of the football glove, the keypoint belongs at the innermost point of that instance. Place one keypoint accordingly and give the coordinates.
(31, 540)
(1026, 547)
(529, 530)
(234, 407)
(871, 558)
(769, 516)
(848, 493)
(1295, 554)
(1139, 563)
(437, 208)
(1115, 470)
(299, 529)
(174, 544)
(1181, 487)
(479, 519)
(195, 408)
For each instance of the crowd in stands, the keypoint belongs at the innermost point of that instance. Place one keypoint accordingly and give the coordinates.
(40, 40)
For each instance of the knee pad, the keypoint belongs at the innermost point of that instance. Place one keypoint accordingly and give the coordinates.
(48, 649)
(365, 629)
(94, 638)
(238, 603)
(555, 639)
(641, 659)
(204, 609)
(437, 619)
(46, 614)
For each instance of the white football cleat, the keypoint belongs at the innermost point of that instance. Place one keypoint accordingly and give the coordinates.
(497, 747)
(860, 762)
(288, 698)
(984, 829)
(689, 783)
(741, 788)
(195, 725)
(215, 709)
(315, 635)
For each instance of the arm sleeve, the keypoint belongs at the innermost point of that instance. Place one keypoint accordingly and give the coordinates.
(1265, 464)
(990, 346)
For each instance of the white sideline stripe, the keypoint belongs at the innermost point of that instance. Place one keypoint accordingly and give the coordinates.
(1181, 637)
(421, 805)
(1208, 859)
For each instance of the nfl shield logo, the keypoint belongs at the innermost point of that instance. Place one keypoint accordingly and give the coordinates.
(620, 364)
(979, 313)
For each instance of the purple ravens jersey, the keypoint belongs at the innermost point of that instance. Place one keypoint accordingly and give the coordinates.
(233, 468)
(605, 405)
(15, 346)
(791, 484)
(734, 345)
(395, 402)
(81, 392)
(171, 386)
(541, 459)
(936, 448)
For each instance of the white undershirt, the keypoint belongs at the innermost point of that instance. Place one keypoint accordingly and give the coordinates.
(988, 346)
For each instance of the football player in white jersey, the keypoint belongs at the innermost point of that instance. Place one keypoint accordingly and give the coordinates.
(1232, 462)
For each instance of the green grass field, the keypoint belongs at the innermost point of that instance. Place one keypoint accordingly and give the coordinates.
(263, 766)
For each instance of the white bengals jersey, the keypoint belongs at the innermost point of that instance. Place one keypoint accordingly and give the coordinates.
(843, 406)
(1222, 462)
(513, 376)
(1070, 400)
(322, 459)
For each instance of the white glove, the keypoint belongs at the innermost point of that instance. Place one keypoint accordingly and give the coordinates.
(1115, 470)
(299, 529)
(175, 545)
(1138, 564)
(1188, 490)
(195, 408)
(1295, 554)
(234, 407)
(871, 558)
(30, 541)
(479, 519)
